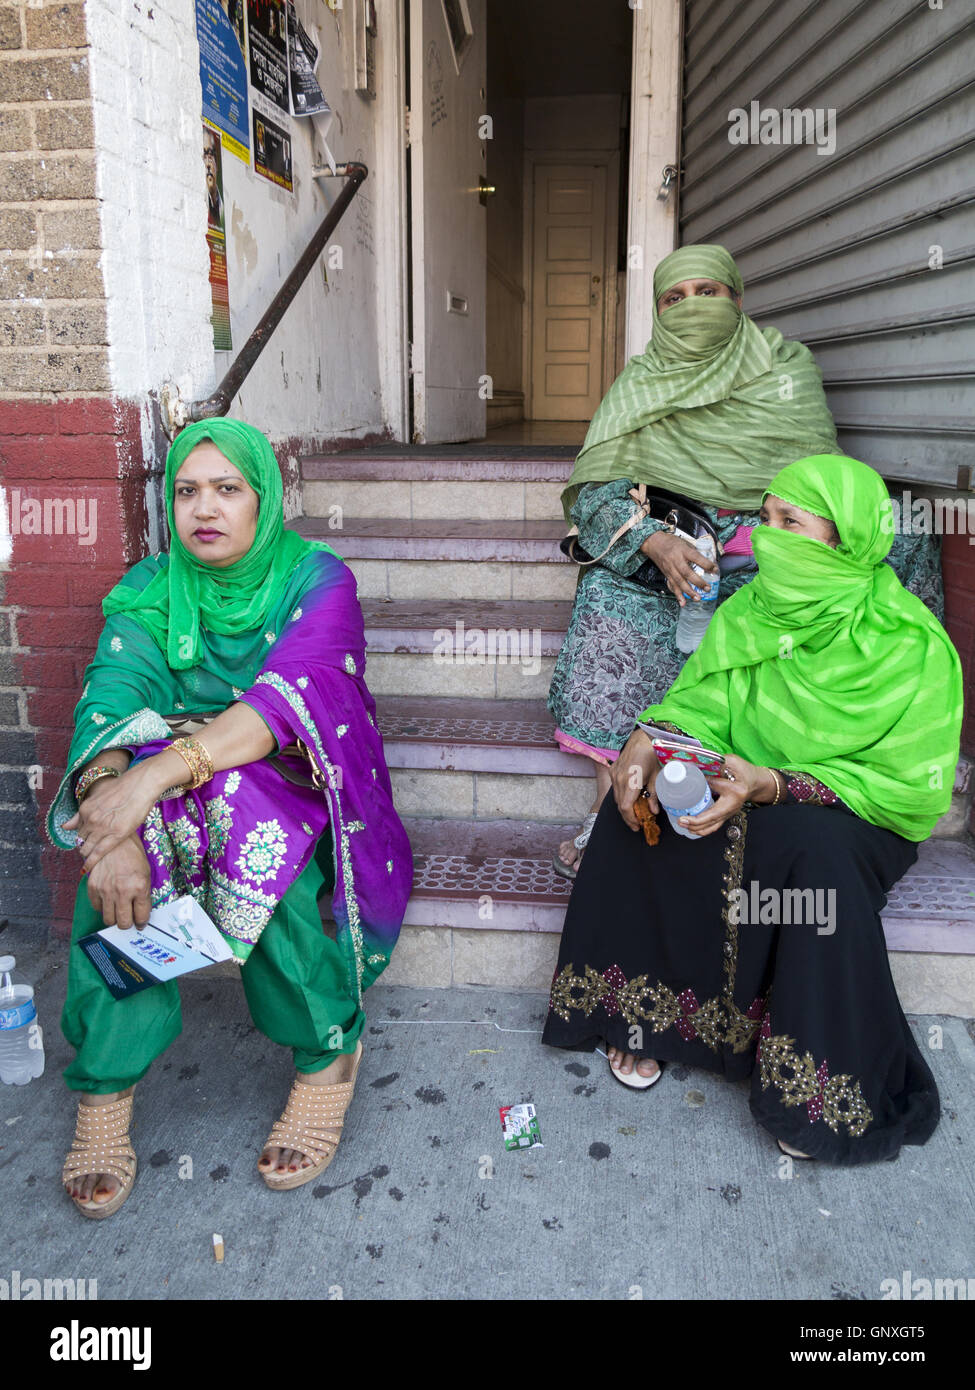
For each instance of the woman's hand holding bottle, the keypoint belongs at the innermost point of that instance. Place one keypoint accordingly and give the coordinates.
(635, 768)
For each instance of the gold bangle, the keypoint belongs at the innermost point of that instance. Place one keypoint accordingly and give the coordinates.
(88, 779)
(196, 758)
(778, 787)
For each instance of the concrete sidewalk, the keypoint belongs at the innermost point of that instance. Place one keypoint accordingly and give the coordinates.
(422, 1201)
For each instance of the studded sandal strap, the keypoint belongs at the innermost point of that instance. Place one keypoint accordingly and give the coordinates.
(101, 1142)
(313, 1119)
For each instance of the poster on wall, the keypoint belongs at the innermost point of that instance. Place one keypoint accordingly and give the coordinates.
(217, 238)
(307, 97)
(223, 71)
(272, 151)
(268, 45)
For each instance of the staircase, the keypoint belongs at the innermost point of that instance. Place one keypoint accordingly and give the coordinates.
(451, 541)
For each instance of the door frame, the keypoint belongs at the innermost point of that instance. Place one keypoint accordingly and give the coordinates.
(390, 189)
(656, 92)
(604, 159)
(655, 121)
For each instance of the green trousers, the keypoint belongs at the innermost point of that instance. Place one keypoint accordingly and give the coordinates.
(294, 980)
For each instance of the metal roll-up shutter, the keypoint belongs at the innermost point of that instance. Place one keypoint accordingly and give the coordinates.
(841, 249)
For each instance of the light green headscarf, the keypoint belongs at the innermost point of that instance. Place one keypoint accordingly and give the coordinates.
(231, 600)
(714, 406)
(826, 665)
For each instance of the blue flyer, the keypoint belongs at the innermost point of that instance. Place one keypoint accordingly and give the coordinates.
(223, 72)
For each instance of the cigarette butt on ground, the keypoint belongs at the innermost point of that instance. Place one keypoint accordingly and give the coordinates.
(218, 1249)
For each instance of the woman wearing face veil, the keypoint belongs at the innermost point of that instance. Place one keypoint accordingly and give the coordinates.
(711, 410)
(755, 948)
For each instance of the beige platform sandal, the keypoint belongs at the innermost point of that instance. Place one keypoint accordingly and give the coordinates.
(101, 1145)
(311, 1124)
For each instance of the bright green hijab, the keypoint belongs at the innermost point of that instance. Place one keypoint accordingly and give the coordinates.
(714, 406)
(826, 665)
(189, 594)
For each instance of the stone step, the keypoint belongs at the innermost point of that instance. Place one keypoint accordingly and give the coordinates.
(471, 756)
(446, 579)
(458, 735)
(468, 632)
(396, 538)
(434, 488)
(487, 909)
(448, 463)
(491, 649)
(403, 557)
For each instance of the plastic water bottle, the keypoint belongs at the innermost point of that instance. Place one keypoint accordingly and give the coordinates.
(682, 791)
(694, 617)
(21, 1039)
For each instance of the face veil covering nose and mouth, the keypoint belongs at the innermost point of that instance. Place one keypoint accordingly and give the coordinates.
(825, 664)
(714, 405)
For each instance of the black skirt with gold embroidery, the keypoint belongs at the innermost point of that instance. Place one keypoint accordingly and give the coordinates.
(756, 951)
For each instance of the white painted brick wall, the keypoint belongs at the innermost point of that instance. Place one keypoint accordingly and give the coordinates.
(147, 108)
(320, 372)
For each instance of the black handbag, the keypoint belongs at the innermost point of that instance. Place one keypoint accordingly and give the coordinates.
(680, 515)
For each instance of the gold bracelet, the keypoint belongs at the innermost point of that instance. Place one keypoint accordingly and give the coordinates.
(88, 779)
(778, 787)
(196, 758)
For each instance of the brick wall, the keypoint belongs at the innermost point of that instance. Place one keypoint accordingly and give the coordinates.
(53, 300)
(64, 438)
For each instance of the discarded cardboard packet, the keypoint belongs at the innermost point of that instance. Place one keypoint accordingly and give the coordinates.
(520, 1127)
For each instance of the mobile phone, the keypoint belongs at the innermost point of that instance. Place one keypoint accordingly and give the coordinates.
(710, 763)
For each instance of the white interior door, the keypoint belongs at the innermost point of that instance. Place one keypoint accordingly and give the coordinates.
(448, 222)
(568, 290)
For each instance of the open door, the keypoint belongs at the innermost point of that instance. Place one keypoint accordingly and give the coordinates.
(448, 61)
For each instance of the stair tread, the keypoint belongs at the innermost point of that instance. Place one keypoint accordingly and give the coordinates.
(448, 465)
(395, 538)
(427, 528)
(421, 719)
(546, 615)
(459, 860)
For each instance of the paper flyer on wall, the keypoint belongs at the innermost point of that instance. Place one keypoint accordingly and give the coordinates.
(268, 47)
(272, 150)
(223, 71)
(307, 97)
(217, 239)
(179, 938)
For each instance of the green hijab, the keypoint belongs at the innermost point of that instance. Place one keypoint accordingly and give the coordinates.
(826, 665)
(714, 405)
(188, 593)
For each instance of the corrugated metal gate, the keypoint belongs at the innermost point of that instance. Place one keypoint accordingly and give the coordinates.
(840, 249)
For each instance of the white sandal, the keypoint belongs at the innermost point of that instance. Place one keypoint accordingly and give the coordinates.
(581, 840)
(634, 1079)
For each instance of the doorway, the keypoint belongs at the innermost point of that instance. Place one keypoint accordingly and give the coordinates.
(556, 218)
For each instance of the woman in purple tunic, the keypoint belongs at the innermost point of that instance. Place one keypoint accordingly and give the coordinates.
(249, 640)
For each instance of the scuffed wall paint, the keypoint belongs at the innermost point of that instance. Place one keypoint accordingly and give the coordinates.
(147, 105)
(319, 375)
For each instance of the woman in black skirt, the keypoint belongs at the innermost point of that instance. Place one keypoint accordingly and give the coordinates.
(755, 947)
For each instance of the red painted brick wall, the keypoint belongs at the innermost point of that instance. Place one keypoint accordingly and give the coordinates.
(88, 448)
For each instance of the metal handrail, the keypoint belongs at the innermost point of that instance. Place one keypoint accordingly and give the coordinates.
(175, 412)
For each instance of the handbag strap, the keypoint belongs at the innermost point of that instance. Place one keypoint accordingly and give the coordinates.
(639, 495)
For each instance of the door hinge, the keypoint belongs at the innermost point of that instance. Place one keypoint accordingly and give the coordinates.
(412, 357)
(406, 127)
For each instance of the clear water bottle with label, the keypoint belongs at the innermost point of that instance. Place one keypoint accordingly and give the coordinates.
(21, 1039)
(682, 791)
(694, 617)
